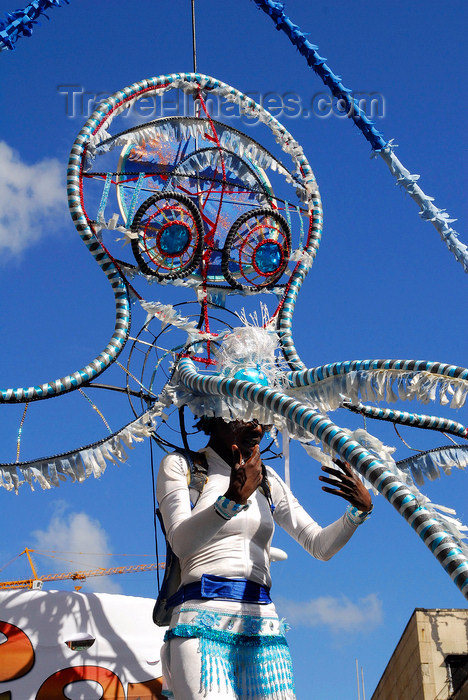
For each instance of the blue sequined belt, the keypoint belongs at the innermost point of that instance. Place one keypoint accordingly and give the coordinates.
(220, 587)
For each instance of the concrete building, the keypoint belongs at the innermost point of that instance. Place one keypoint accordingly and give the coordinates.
(430, 662)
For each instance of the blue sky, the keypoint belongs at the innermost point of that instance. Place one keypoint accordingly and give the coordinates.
(383, 285)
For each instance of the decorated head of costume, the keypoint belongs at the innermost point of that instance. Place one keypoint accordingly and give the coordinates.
(202, 205)
(196, 196)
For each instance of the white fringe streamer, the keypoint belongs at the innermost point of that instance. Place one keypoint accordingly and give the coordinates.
(382, 385)
(431, 465)
(78, 466)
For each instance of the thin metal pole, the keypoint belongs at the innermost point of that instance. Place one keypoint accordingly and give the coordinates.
(362, 678)
(194, 41)
(357, 680)
(197, 108)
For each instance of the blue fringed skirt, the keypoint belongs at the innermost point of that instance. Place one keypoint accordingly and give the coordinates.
(241, 648)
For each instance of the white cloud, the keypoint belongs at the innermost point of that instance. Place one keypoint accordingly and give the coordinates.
(338, 614)
(88, 542)
(32, 198)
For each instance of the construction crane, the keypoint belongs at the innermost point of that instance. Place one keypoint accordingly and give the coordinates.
(37, 581)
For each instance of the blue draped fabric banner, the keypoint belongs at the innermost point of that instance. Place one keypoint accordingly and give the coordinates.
(20, 22)
(429, 212)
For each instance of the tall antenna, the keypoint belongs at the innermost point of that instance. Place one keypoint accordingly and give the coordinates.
(357, 681)
(194, 40)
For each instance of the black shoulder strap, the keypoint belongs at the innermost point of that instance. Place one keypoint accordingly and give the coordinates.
(198, 470)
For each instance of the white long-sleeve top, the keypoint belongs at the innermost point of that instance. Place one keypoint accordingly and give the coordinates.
(240, 547)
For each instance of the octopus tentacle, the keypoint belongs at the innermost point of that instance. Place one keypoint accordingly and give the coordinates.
(311, 376)
(445, 546)
(378, 380)
(416, 420)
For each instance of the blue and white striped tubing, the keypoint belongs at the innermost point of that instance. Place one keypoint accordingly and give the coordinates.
(101, 362)
(429, 212)
(309, 377)
(443, 425)
(285, 316)
(441, 543)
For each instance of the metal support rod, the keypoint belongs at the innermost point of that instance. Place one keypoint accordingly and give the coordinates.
(123, 390)
(194, 41)
(357, 681)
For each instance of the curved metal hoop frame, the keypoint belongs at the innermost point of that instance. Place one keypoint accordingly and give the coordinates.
(90, 136)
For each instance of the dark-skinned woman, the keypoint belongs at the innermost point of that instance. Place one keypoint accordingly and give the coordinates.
(225, 639)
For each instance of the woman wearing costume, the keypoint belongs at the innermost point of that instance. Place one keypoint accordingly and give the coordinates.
(225, 640)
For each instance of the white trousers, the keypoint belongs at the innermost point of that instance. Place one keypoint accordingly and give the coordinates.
(181, 666)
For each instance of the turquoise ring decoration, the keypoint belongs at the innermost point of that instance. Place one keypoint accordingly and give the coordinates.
(257, 249)
(170, 236)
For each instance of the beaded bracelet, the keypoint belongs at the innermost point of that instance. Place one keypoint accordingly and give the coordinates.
(356, 516)
(227, 509)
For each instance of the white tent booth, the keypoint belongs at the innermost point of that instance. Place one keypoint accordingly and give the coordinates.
(58, 645)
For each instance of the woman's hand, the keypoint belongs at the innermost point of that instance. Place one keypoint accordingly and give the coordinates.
(347, 485)
(246, 476)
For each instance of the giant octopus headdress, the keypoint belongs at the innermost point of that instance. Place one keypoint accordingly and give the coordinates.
(202, 205)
